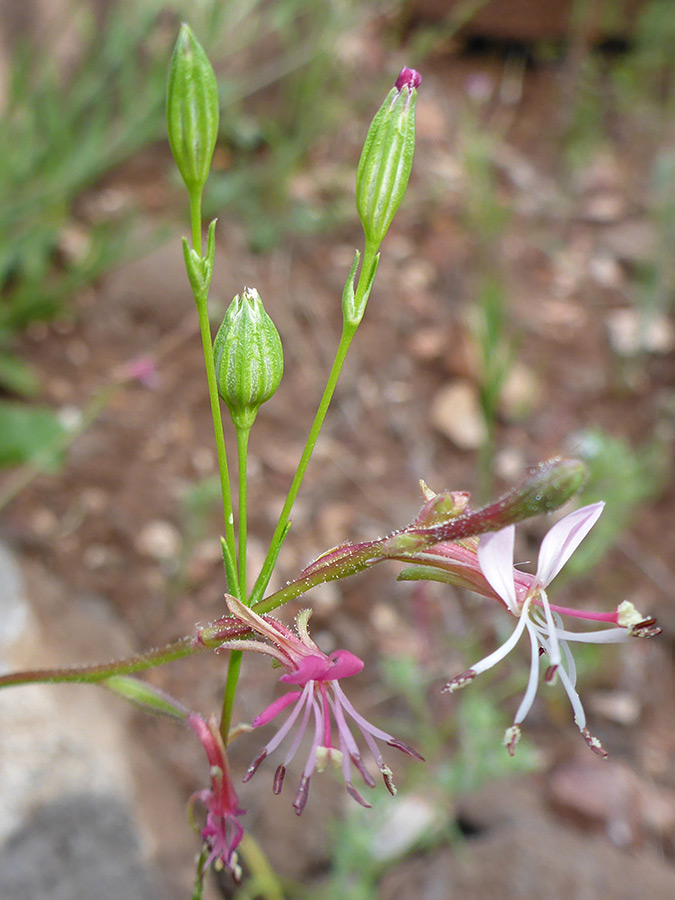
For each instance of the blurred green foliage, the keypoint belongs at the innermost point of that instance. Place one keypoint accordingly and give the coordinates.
(65, 126)
(58, 135)
(30, 435)
(625, 478)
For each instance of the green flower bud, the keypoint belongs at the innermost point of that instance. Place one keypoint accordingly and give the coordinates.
(386, 158)
(248, 357)
(192, 110)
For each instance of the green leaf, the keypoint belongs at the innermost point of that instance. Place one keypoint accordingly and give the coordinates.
(17, 376)
(145, 695)
(30, 434)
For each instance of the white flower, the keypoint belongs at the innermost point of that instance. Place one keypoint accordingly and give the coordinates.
(527, 600)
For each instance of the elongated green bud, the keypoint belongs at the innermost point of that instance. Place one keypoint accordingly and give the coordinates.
(146, 695)
(386, 158)
(249, 358)
(192, 111)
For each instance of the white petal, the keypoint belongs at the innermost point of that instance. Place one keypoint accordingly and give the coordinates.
(489, 661)
(495, 555)
(579, 714)
(533, 681)
(569, 660)
(554, 650)
(563, 539)
(604, 636)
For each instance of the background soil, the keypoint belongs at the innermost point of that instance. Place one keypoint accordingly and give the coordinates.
(114, 520)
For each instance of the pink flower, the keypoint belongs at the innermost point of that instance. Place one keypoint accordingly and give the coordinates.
(525, 598)
(319, 698)
(222, 832)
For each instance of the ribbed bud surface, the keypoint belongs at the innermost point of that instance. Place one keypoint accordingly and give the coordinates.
(192, 111)
(248, 357)
(386, 159)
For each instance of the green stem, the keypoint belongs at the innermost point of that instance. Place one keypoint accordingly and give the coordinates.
(200, 874)
(196, 220)
(201, 301)
(233, 669)
(242, 458)
(234, 665)
(93, 674)
(228, 514)
(348, 332)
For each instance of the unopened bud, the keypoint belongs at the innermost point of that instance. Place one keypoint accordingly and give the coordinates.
(386, 159)
(248, 357)
(192, 111)
(545, 487)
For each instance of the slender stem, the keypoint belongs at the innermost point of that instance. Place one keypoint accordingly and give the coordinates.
(201, 301)
(233, 669)
(234, 665)
(228, 514)
(242, 454)
(265, 573)
(348, 332)
(198, 891)
(196, 220)
(92, 674)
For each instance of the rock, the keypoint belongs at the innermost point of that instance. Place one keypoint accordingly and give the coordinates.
(606, 271)
(409, 819)
(605, 208)
(80, 847)
(159, 540)
(456, 413)
(520, 393)
(632, 241)
(428, 344)
(632, 331)
(608, 794)
(82, 806)
(13, 604)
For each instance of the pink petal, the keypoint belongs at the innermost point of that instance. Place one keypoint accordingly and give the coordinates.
(495, 555)
(563, 539)
(343, 665)
(311, 668)
(275, 708)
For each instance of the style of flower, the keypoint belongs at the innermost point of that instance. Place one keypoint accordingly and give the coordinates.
(222, 832)
(319, 697)
(525, 598)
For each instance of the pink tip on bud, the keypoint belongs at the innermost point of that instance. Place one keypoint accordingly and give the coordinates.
(410, 78)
